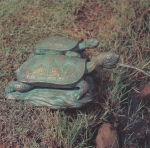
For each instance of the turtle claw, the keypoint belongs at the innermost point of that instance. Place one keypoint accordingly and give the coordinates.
(76, 94)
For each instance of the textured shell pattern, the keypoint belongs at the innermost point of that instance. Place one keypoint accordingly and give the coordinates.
(58, 69)
(59, 43)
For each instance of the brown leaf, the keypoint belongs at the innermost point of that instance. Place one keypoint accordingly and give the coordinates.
(107, 137)
(145, 94)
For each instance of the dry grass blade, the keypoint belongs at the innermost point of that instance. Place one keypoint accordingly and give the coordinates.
(133, 67)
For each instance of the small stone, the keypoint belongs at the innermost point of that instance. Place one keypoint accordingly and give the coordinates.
(107, 137)
(145, 94)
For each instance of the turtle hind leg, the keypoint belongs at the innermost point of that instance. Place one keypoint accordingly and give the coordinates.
(84, 87)
(17, 86)
(72, 54)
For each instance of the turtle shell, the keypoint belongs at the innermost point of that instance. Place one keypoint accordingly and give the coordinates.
(50, 69)
(59, 43)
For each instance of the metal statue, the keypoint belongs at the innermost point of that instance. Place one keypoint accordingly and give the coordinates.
(57, 72)
(63, 45)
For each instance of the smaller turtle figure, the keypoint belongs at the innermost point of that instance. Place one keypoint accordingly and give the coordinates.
(63, 45)
(59, 71)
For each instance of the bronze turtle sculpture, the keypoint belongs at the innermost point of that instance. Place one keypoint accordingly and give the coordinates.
(63, 45)
(59, 71)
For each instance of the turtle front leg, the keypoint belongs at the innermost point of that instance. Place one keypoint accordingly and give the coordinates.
(72, 54)
(17, 86)
(84, 87)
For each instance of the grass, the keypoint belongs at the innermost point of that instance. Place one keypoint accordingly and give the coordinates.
(120, 26)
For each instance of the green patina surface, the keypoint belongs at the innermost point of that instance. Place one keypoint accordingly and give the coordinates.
(59, 71)
(63, 45)
(53, 98)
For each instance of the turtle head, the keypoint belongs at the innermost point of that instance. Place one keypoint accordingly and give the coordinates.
(107, 60)
(91, 43)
